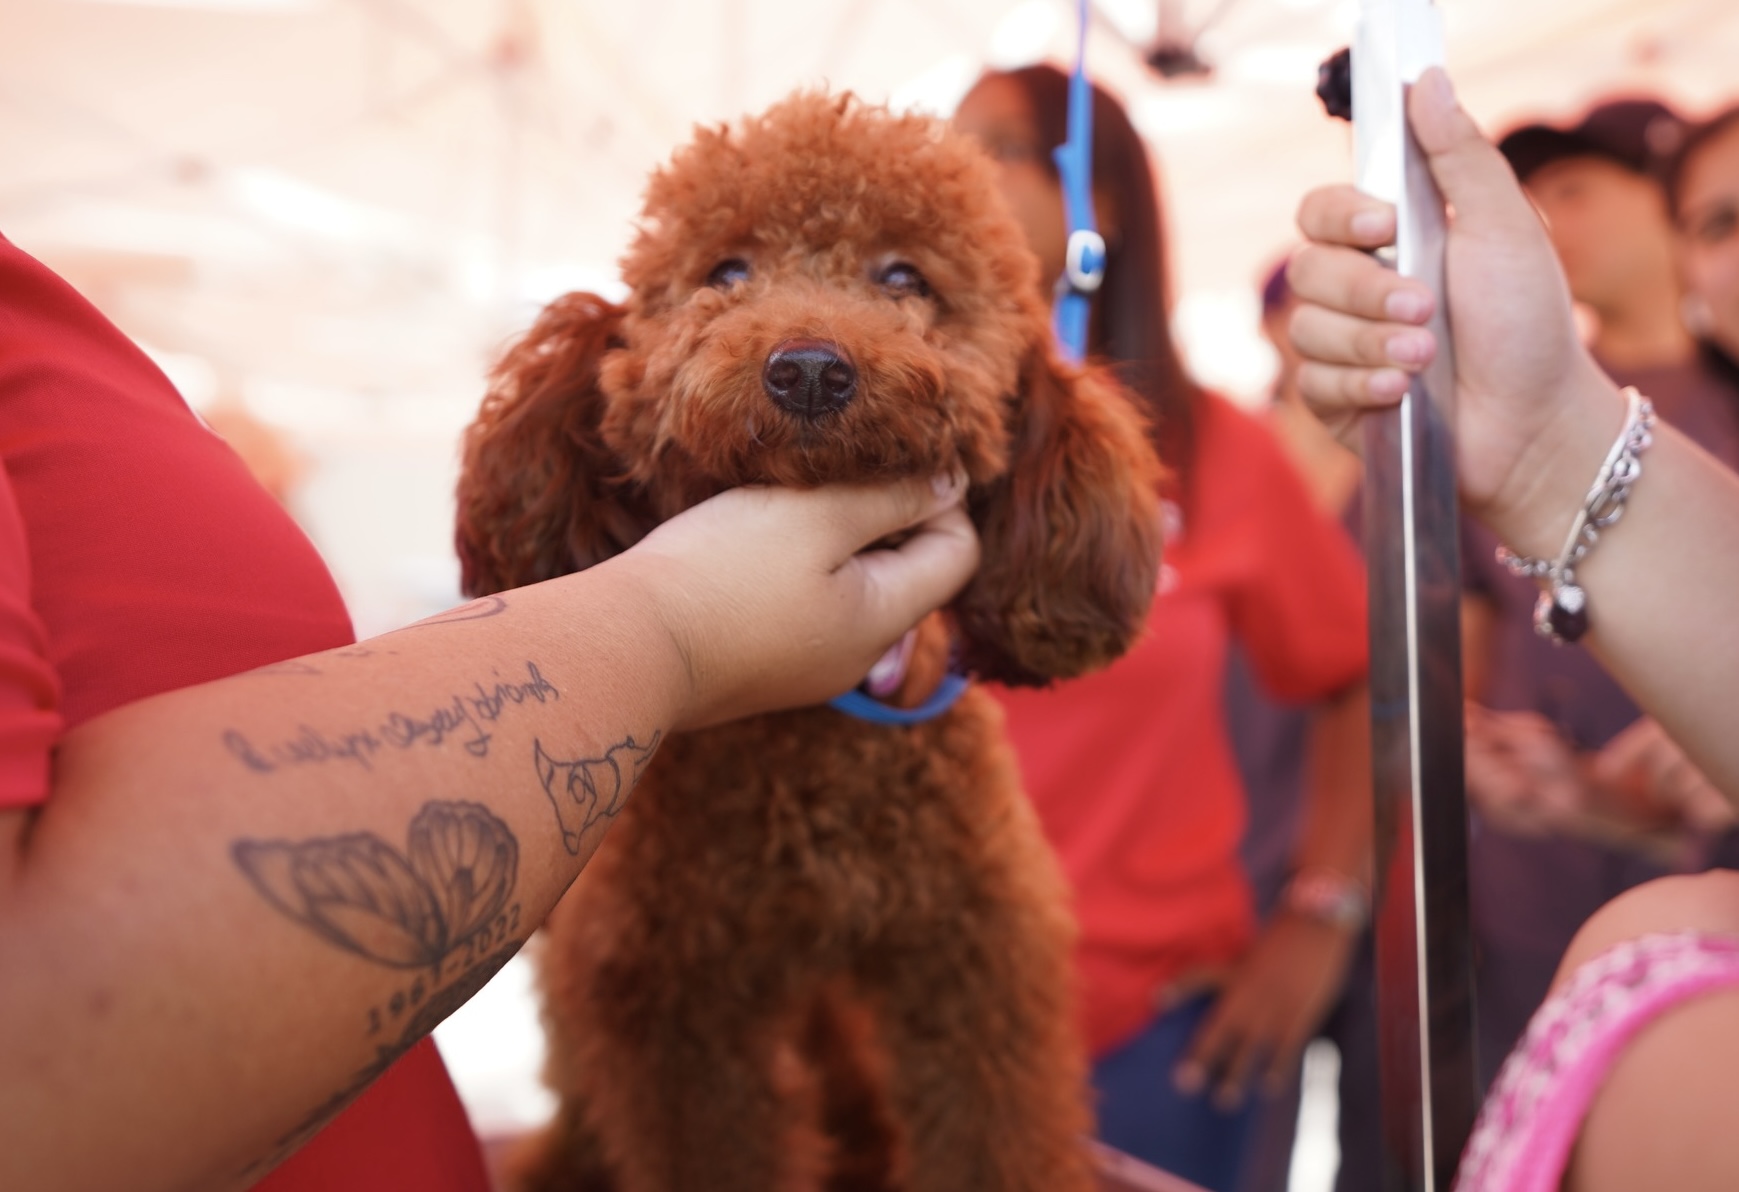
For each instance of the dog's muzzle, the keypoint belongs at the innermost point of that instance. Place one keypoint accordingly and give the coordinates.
(809, 377)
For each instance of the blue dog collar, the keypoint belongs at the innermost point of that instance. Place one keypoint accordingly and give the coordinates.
(866, 707)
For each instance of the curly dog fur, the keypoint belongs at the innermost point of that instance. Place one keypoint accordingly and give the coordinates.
(816, 953)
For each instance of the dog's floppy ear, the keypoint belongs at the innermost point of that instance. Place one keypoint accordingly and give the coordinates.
(1071, 533)
(539, 494)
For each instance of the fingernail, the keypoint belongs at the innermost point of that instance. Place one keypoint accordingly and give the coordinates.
(1436, 89)
(1388, 383)
(1409, 306)
(1189, 1079)
(1408, 347)
(1370, 223)
(948, 485)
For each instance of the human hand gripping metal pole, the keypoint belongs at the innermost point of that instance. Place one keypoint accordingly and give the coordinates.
(1424, 950)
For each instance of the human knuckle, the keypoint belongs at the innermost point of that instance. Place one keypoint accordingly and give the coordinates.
(1371, 344)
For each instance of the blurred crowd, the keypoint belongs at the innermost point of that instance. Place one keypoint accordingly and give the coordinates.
(1224, 932)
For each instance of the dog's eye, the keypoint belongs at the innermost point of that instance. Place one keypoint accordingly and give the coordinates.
(728, 273)
(902, 280)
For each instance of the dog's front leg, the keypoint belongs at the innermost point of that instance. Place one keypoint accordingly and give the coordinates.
(715, 1098)
(987, 1069)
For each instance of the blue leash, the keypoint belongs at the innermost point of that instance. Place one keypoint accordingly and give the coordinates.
(1084, 263)
(1083, 274)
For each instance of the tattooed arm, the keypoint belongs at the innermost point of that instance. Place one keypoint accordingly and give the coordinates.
(245, 899)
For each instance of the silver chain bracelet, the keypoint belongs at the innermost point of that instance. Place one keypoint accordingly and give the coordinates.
(1562, 610)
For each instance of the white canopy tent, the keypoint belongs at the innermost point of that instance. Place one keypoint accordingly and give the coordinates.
(334, 211)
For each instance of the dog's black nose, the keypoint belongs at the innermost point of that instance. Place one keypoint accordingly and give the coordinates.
(809, 377)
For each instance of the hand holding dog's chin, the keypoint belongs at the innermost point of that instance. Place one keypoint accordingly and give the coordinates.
(770, 599)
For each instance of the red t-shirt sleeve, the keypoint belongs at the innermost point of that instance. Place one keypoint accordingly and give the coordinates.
(1298, 605)
(30, 720)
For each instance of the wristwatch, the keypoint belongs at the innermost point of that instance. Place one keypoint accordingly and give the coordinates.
(1328, 897)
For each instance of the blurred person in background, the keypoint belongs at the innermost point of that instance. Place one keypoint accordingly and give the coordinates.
(1186, 1004)
(1269, 740)
(1579, 796)
(1703, 188)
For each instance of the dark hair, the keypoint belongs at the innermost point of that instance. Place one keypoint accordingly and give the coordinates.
(1694, 143)
(1276, 288)
(1130, 326)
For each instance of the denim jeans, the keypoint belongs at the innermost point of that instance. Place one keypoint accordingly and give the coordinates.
(1142, 1114)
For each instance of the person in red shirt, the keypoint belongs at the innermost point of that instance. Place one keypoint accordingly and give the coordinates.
(232, 905)
(1131, 769)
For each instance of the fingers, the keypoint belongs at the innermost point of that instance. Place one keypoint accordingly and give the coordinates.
(1207, 1051)
(1283, 1063)
(860, 514)
(1707, 810)
(1652, 762)
(1473, 175)
(1232, 1046)
(1355, 283)
(1334, 390)
(902, 584)
(1329, 337)
(1345, 215)
(1357, 324)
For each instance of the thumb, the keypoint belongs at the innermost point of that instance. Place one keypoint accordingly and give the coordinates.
(904, 583)
(1474, 176)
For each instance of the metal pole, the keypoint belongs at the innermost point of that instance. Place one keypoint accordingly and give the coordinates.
(1424, 949)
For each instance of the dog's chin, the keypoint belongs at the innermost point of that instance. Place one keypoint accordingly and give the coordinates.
(788, 467)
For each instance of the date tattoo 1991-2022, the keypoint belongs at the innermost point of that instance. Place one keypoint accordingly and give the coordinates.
(443, 905)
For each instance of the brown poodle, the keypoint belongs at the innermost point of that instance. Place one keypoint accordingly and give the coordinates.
(817, 952)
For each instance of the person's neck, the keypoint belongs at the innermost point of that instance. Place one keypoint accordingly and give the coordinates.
(1644, 331)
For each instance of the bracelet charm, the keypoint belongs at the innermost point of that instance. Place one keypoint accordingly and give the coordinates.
(1561, 613)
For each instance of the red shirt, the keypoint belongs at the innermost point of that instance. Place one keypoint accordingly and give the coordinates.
(137, 556)
(1130, 768)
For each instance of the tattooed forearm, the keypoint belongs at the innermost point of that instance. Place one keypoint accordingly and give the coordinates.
(425, 1010)
(447, 893)
(444, 905)
(477, 610)
(591, 788)
(465, 716)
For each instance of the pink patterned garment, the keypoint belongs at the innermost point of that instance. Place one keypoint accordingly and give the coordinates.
(1525, 1133)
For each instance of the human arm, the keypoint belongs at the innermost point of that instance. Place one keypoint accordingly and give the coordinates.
(1535, 417)
(1276, 996)
(1298, 610)
(1645, 777)
(1638, 792)
(241, 900)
